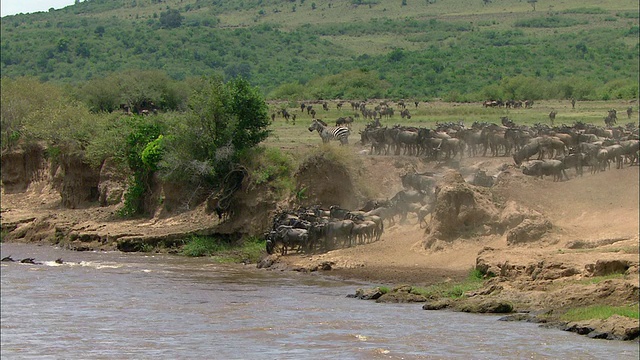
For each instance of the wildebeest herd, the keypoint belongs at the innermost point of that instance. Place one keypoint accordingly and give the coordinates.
(555, 149)
(539, 149)
(311, 229)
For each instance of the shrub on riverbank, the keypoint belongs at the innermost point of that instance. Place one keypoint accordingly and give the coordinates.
(248, 250)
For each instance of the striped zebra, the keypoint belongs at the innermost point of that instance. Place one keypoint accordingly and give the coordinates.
(328, 133)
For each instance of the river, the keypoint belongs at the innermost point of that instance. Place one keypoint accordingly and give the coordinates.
(137, 306)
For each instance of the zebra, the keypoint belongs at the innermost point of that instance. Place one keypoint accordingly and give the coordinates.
(327, 133)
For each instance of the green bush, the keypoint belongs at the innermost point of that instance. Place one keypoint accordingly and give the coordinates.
(249, 249)
(142, 152)
(224, 120)
(270, 165)
(196, 246)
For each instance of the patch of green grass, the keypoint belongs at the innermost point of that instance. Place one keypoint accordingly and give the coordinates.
(599, 279)
(588, 281)
(586, 10)
(384, 289)
(600, 312)
(548, 22)
(147, 248)
(248, 250)
(197, 246)
(452, 290)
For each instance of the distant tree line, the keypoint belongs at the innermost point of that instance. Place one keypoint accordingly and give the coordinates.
(455, 60)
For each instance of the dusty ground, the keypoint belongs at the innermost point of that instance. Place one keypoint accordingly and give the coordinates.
(595, 229)
(600, 207)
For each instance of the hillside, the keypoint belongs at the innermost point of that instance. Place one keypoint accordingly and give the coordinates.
(413, 48)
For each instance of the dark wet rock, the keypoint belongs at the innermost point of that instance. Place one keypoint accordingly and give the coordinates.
(401, 294)
(401, 297)
(368, 294)
(580, 329)
(520, 317)
(437, 305)
(324, 266)
(487, 306)
(267, 261)
(615, 327)
(59, 261)
(598, 335)
(8, 258)
(28, 261)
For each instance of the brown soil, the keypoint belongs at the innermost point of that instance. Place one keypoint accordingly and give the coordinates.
(594, 231)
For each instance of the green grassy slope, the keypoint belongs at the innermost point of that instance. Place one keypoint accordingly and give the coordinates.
(459, 50)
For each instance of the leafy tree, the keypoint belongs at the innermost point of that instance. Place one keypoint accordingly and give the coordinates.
(224, 119)
(135, 89)
(143, 151)
(170, 19)
(34, 111)
(101, 94)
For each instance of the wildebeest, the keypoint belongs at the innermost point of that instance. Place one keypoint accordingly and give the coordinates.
(418, 181)
(288, 237)
(540, 168)
(337, 231)
(630, 150)
(552, 116)
(344, 121)
(611, 118)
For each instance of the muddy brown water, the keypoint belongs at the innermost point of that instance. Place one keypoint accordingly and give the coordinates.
(135, 306)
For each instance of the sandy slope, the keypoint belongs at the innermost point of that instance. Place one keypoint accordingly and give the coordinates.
(592, 208)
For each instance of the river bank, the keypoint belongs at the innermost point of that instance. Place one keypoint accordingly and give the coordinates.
(587, 257)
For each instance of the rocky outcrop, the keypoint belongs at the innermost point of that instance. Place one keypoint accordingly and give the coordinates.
(615, 327)
(464, 210)
(21, 167)
(401, 294)
(327, 182)
(79, 182)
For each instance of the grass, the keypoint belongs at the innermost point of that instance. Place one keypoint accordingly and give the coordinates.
(248, 250)
(599, 279)
(588, 281)
(197, 246)
(297, 138)
(456, 290)
(600, 312)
